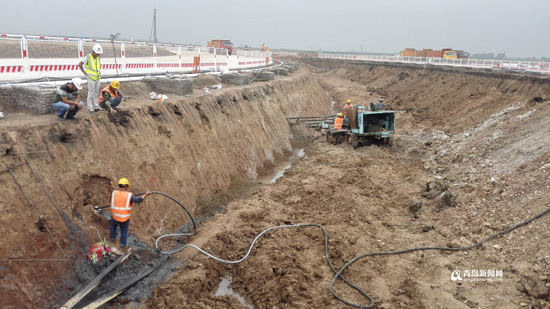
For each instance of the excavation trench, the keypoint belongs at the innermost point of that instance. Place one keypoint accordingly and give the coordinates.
(204, 150)
(476, 138)
(144, 257)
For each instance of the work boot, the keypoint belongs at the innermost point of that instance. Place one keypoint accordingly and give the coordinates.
(116, 251)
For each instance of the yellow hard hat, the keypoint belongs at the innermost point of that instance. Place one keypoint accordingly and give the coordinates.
(348, 101)
(123, 182)
(115, 84)
(340, 114)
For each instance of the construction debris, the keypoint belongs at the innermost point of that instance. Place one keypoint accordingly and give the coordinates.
(159, 97)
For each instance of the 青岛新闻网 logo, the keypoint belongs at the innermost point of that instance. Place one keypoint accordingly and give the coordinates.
(456, 275)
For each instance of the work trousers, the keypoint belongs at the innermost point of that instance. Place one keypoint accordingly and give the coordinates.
(93, 94)
(113, 224)
(62, 108)
(114, 102)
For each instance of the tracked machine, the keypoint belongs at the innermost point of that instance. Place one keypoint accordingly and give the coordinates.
(362, 126)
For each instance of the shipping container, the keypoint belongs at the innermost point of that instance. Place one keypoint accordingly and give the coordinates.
(430, 53)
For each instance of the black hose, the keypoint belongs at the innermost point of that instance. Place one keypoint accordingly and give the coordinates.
(175, 234)
(338, 273)
(355, 259)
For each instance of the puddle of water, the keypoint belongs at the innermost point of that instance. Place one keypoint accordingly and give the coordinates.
(279, 171)
(224, 289)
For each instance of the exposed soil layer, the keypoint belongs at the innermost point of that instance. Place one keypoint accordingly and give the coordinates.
(469, 158)
(196, 149)
(477, 141)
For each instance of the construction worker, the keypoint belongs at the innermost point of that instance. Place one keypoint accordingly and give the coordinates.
(339, 121)
(348, 104)
(91, 67)
(67, 99)
(346, 108)
(111, 96)
(122, 201)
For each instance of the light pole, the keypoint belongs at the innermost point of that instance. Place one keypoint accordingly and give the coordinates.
(113, 37)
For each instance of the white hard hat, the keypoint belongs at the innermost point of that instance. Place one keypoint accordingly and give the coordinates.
(77, 82)
(97, 49)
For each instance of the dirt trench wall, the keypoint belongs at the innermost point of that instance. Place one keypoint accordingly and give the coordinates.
(188, 149)
(445, 97)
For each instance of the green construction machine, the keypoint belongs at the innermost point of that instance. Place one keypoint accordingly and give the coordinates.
(362, 126)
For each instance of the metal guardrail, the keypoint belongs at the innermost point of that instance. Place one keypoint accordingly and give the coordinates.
(532, 66)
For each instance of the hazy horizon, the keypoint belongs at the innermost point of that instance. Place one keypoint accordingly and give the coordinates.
(373, 26)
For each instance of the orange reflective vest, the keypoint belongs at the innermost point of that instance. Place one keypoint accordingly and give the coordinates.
(121, 205)
(338, 122)
(108, 89)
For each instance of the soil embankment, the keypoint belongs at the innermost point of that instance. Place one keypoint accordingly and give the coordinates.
(469, 158)
(190, 148)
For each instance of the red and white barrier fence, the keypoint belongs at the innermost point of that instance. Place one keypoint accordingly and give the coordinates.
(181, 61)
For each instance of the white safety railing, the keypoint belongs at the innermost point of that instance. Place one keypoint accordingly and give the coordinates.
(533, 66)
(283, 53)
(118, 58)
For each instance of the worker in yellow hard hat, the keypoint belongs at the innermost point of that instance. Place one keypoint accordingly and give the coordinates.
(338, 121)
(122, 202)
(348, 104)
(111, 96)
(346, 109)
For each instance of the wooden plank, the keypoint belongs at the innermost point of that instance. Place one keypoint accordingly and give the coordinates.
(97, 303)
(75, 299)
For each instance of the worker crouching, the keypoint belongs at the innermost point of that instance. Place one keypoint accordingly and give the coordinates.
(67, 99)
(122, 202)
(111, 96)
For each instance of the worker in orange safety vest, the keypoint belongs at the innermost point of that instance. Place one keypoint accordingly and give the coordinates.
(338, 122)
(348, 104)
(111, 96)
(346, 107)
(122, 202)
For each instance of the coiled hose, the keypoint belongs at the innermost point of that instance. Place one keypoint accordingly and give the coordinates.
(338, 272)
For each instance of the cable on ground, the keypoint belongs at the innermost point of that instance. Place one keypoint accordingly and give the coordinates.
(338, 273)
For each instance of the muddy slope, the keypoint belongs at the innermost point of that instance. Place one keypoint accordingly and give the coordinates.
(190, 149)
(469, 159)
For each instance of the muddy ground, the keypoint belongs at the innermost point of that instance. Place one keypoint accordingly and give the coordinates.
(469, 158)
(481, 143)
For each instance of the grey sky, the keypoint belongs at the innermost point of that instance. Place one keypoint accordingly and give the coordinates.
(519, 27)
